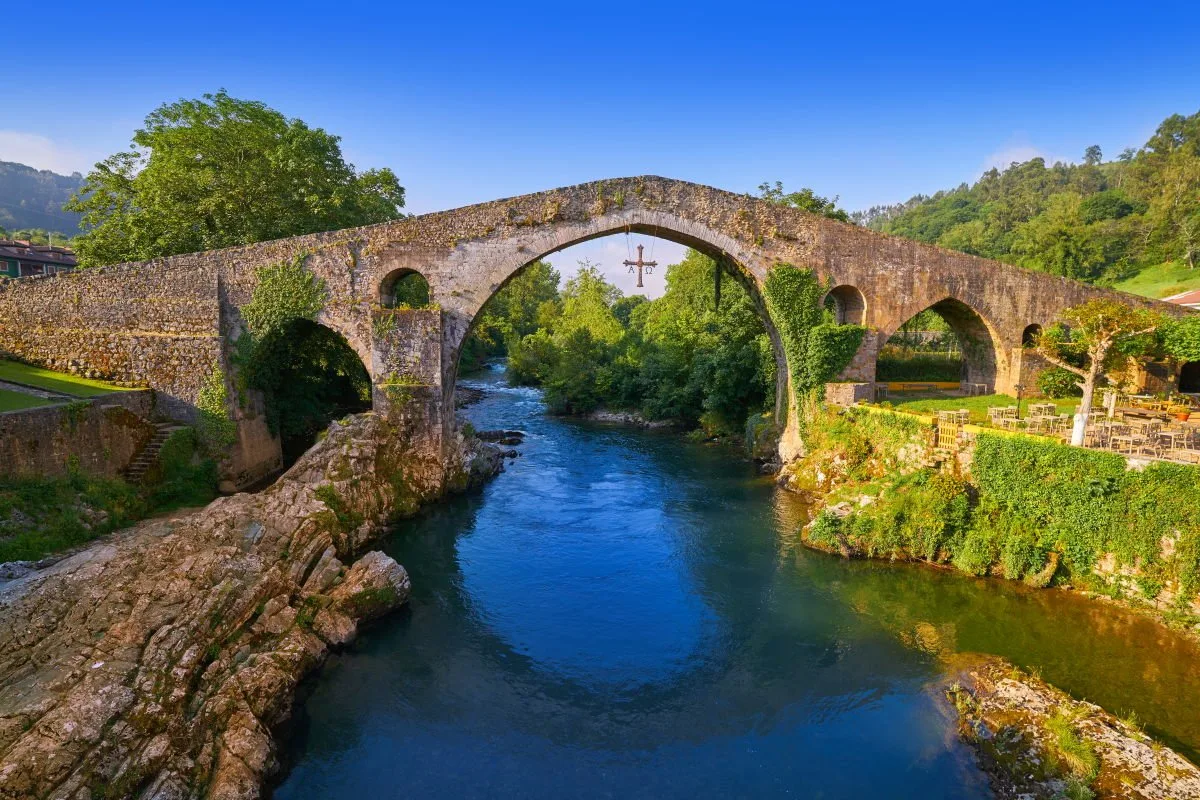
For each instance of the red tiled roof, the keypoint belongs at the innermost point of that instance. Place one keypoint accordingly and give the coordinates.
(1188, 298)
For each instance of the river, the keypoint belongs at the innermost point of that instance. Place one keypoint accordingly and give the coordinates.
(625, 613)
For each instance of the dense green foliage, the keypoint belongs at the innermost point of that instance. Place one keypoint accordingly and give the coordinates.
(182, 476)
(816, 348)
(928, 367)
(1093, 221)
(308, 374)
(284, 293)
(527, 302)
(33, 199)
(1181, 338)
(678, 357)
(218, 171)
(1031, 508)
(1057, 382)
(216, 427)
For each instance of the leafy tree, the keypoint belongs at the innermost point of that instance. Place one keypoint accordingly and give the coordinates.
(1181, 338)
(1103, 334)
(587, 302)
(1057, 242)
(219, 171)
(1092, 155)
(805, 199)
(1177, 207)
(527, 302)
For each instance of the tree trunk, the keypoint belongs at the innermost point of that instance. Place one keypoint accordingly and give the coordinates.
(1085, 408)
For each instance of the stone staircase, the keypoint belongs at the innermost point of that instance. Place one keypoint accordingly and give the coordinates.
(149, 453)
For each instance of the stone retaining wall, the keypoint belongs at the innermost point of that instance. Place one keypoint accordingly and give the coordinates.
(102, 435)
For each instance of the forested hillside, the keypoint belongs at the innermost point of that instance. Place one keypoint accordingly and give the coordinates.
(33, 199)
(1133, 222)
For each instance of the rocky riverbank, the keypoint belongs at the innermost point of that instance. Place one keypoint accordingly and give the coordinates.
(1036, 742)
(157, 662)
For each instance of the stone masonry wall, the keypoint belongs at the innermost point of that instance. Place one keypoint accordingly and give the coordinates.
(102, 435)
(150, 324)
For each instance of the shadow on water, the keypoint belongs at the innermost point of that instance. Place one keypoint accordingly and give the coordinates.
(623, 613)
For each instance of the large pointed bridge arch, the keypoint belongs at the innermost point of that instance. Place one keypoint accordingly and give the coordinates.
(169, 323)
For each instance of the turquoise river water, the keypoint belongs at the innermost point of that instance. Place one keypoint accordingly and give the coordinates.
(627, 614)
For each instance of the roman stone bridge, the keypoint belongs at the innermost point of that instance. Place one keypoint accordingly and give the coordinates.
(171, 323)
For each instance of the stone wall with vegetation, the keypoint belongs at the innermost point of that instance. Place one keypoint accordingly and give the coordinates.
(153, 324)
(99, 437)
(1025, 508)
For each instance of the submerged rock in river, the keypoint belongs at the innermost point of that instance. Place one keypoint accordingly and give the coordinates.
(156, 662)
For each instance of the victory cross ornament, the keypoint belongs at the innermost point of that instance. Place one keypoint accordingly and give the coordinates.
(640, 264)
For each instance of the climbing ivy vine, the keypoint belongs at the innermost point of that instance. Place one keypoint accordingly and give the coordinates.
(816, 348)
(217, 429)
(307, 374)
(285, 292)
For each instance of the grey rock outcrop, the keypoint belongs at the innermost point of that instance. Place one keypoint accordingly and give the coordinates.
(156, 663)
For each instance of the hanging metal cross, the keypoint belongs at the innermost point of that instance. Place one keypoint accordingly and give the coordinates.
(649, 266)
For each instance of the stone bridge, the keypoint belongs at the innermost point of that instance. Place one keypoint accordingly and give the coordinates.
(170, 323)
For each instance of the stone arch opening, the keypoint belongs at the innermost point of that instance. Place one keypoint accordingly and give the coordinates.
(404, 288)
(1030, 335)
(1189, 377)
(946, 343)
(309, 376)
(847, 305)
(732, 273)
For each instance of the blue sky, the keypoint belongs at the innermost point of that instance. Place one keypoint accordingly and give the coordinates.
(470, 102)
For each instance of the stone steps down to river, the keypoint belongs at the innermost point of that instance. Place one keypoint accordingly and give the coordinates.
(1032, 739)
(155, 663)
(148, 455)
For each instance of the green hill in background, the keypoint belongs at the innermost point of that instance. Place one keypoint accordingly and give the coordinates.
(32, 199)
(1132, 223)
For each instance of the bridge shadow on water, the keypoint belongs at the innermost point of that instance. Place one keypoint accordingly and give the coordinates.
(623, 613)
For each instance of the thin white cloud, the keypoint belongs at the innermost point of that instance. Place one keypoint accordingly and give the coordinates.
(41, 152)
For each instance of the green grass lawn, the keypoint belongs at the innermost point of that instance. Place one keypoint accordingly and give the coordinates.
(14, 401)
(1162, 280)
(53, 381)
(977, 406)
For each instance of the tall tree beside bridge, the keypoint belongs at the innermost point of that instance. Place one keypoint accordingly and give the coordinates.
(219, 171)
(1102, 334)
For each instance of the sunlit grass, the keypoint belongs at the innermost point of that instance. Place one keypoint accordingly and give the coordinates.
(15, 401)
(53, 381)
(931, 402)
(1162, 280)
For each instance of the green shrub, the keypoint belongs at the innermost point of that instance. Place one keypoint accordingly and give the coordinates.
(1032, 506)
(1057, 382)
(182, 477)
(919, 367)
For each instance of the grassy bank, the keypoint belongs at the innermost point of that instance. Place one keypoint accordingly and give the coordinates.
(1162, 280)
(15, 401)
(60, 382)
(40, 516)
(1029, 509)
(977, 406)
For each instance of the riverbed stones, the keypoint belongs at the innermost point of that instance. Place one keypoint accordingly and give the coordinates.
(1006, 716)
(156, 662)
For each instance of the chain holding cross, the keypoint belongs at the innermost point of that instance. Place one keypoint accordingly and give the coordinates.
(640, 264)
